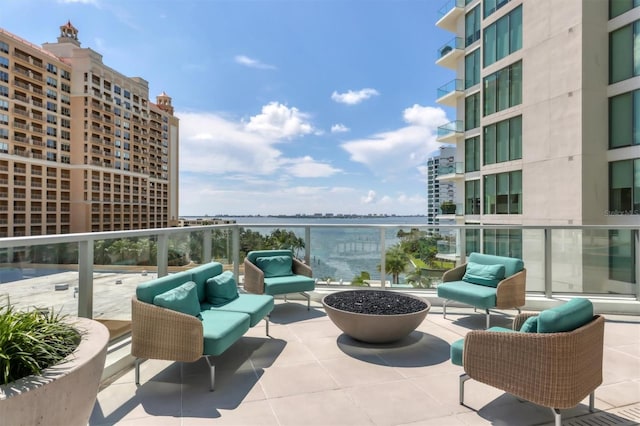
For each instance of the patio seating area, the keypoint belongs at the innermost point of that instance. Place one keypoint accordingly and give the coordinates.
(309, 373)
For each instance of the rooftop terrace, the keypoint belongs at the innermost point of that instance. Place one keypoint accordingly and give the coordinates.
(309, 373)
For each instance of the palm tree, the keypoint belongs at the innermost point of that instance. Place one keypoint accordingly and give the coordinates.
(395, 262)
(418, 278)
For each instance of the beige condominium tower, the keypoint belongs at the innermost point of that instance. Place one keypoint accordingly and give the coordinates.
(82, 148)
(547, 101)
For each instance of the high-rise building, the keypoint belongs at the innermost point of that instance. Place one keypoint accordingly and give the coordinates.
(441, 172)
(547, 96)
(82, 148)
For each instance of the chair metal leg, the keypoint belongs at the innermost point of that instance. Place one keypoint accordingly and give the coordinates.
(557, 417)
(308, 296)
(213, 372)
(592, 400)
(137, 364)
(463, 378)
(444, 309)
(266, 320)
(488, 318)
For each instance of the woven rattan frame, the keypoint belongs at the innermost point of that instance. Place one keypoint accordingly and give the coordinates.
(254, 277)
(556, 370)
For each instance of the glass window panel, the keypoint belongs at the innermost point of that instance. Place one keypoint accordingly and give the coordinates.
(621, 56)
(636, 48)
(489, 94)
(515, 90)
(503, 90)
(472, 241)
(622, 256)
(489, 45)
(515, 243)
(472, 26)
(502, 141)
(502, 193)
(635, 112)
(515, 138)
(490, 194)
(472, 154)
(472, 111)
(502, 242)
(620, 186)
(489, 7)
(489, 144)
(515, 29)
(636, 187)
(618, 7)
(502, 38)
(489, 241)
(620, 120)
(472, 69)
(515, 192)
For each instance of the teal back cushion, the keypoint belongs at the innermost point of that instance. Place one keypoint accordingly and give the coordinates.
(566, 317)
(253, 255)
(512, 265)
(530, 325)
(183, 298)
(221, 289)
(202, 273)
(275, 266)
(489, 275)
(148, 290)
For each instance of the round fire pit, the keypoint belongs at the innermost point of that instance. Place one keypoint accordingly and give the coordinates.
(374, 316)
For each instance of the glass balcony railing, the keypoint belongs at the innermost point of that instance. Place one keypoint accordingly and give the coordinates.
(456, 43)
(449, 169)
(95, 275)
(450, 4)
(455, 85)
(452, 127)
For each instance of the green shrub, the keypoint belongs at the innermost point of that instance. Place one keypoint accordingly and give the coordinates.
(31, 341)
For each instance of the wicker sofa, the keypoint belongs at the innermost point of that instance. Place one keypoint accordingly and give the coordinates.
(190, 314)
(276, 272)
(485, 282)
(553, 359)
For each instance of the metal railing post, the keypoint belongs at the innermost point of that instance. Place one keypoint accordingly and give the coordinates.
(548, 274)
(162, 257)
(636, 242)
(206, 243)
(383, 267)
(235, 250)
(307, 245)
(85, 279)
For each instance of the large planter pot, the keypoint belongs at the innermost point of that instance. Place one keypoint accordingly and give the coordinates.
(398, 316)
(65, 393)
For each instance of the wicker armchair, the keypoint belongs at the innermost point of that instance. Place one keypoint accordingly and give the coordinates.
(555, 370)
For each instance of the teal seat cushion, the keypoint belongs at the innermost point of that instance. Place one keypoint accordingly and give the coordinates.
(489, 275)
(200, 275)
(512, 265)
(145, 292)
(456, 352)
(530, 325)
(275, 266)
(480, 296)
(183, 298)
(221, 329)
(566, 317)
(458, 346)
(290, 284)
(221, 289)
(257, 306)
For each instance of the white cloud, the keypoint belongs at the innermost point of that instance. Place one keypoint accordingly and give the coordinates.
(370, 197)
(405, 150)
(339, 128)
(307, 167)
(352, 98)
(278, 121)
(252, 63)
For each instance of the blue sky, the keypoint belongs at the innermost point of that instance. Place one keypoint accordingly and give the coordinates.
(285, 106)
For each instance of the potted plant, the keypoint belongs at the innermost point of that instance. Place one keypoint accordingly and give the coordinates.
(448, 207)
(50, 367)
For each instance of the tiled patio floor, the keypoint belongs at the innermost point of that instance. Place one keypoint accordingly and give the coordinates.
(308, 373)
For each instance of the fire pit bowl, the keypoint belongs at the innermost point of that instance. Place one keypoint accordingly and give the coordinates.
(375, 316)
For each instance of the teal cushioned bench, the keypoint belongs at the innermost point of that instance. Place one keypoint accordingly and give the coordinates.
(161, 333)
(490, 282)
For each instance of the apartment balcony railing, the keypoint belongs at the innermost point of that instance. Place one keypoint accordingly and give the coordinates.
(449, 53)
(451, 171)
(448, 133)
(449, 93)
(449, 14)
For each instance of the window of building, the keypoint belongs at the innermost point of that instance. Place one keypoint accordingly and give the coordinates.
(51, 106)
(472, 154)
(66, 135)
(127, 94)
(472, 241)
(65, 159)
(624, 52)
(4, 147)
(618, 7)
(624, 187)
(65, 74)
(4, 133)
(472, 69)
(503, 193)
(52, 94)
(4, 62)
(622, 256)
(116, 89)
(503, 37)
(472, 197)
(52, 69)
(472, 111)
(4, 91)
(4, 47)
(502, 141)
(491, 6)
(51, 156)
(4, 76)
(65, 87)
(502, 242)
(624, 119)
(52, 82)
(66, 123)
(4, 105)
(503, 89)
(52, 131)
(4, 119)
(52, 119)
(472, 26)
(51, 143)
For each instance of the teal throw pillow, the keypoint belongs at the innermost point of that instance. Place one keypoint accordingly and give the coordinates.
(566, 317)
(275, 266)
(183, 298)
(530, 325)
(489, 275)
(221, 289)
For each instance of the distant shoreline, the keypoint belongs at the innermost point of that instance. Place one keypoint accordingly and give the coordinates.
(307, 216)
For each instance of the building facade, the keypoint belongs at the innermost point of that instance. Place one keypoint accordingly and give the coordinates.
(82, 147)
(548, 128)
(441, 174)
